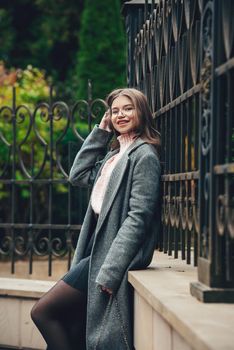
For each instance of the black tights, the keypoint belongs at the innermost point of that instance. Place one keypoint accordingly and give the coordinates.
(60, 315)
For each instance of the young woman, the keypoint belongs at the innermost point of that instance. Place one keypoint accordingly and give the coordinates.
(118, 233)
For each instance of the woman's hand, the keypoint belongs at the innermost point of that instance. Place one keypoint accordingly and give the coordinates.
(108, 290)
(105, 122)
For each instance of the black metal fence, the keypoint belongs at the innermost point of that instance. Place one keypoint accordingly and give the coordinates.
(40, 212)
(180, 53)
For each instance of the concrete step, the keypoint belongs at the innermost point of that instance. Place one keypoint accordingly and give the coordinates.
(17, 297)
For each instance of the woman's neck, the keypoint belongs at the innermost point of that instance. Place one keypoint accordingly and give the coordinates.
(126, 139)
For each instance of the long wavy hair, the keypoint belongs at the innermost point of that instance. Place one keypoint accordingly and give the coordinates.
(146, 125)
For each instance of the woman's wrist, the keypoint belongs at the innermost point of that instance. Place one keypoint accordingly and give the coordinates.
(107, 290)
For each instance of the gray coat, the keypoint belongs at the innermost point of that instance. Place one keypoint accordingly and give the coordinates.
(125, 234)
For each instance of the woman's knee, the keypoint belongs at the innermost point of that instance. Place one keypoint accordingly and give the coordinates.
(36, 312)
(39, 312)
(49, 306)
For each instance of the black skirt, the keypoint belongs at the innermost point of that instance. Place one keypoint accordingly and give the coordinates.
(77, 277)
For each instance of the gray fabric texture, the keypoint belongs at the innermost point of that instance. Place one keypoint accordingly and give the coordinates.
(125, 234)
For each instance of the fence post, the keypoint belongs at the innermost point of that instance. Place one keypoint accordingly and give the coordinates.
(216, 245)
(133, 12)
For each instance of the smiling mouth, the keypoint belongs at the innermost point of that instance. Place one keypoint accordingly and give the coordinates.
(122, 122)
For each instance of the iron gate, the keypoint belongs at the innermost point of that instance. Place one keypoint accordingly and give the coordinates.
(40, 212)
(180, 53)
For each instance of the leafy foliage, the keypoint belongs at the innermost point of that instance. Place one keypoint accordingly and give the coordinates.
(41, 33)
(34, 145)
(101, 56)
(31, 83)
(31, 87)
(7, 34)
(46, 34)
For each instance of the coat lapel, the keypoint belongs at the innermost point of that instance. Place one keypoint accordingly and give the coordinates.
(115, 181)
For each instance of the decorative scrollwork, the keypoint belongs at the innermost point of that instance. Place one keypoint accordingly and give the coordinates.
(184, 206)
(98, 108)
(194, 50)
(60, 110)
(41, 245)
(22, 113)
(42, 111)
(220, 214)
(228, 26)
(61, 114)
(194, 204)
(21, 245)
(225, 209)
(6, 116)
(166, 203)
(205, 131)
(182, 60)
(81, 108)
(166, 209)
(204, 242)
(173, 211)
(5, 244)
(177, 212)
(190, 218)
(187, 12)
(206, 79)
(230, 218)
(172, 62)
(59, 248)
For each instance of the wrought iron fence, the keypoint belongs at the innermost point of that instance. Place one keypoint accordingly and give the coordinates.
(180, 53)
(40, 212)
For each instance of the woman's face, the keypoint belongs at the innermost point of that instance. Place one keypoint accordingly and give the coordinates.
(123, 115)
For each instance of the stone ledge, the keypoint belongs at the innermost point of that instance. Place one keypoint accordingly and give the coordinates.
(165, 286)
(17, 297)
(23, 288)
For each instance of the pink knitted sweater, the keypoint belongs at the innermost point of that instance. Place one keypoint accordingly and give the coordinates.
(97, 196)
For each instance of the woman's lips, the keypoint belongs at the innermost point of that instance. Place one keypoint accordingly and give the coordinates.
(122, 122)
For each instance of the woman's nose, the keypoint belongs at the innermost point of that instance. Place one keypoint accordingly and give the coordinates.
(122, 114)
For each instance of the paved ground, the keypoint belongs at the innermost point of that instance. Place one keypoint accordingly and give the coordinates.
(40, 270)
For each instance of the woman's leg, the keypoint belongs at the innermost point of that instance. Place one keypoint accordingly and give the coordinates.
(60, 315)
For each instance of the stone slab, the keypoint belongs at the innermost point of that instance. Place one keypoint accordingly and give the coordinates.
(143, 321)
(165, 286)
(10, 322)
(162, 333)
(17, 287)
(17, 297)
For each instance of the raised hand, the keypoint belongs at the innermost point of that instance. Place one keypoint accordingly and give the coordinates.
(106, 121)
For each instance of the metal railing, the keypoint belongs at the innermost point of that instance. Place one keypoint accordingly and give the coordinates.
(40, 212)
(180, 54)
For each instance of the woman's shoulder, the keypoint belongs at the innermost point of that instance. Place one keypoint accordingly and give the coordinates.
(145, 150)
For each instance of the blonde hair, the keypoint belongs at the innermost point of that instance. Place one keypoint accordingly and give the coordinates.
(146, 128)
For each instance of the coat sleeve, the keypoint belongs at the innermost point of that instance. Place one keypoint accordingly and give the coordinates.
(87, 161)
(132, 233)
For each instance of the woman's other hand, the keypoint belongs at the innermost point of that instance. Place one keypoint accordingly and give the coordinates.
(105, 122)
(105, 289)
